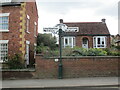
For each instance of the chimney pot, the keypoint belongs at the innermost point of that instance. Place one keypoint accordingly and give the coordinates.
(103, 20)
(61, 20)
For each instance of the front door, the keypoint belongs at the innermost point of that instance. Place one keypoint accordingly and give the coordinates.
(85, 43)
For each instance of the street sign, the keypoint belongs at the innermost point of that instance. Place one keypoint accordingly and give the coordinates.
(72, 29)
(50, 29)
(63, 27)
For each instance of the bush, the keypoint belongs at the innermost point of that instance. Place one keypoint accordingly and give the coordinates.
(15, 62)
(79, 51)
(41, 49)
(96, 52)
(112, 51)
(118, 47)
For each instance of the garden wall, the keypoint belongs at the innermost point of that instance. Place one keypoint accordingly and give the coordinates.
(75, 67)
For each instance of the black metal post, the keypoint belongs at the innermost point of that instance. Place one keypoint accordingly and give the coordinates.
(60, 76)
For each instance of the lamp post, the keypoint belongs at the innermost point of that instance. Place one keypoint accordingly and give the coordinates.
(60, 67)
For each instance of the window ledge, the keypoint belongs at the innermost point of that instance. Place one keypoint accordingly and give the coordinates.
(28, 32)
(1, 30)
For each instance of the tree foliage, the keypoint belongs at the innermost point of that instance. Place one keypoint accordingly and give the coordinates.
(46, 40)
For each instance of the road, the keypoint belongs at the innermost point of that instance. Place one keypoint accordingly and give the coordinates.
(68, 88)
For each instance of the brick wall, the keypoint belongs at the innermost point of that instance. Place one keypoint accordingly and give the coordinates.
(74, 67)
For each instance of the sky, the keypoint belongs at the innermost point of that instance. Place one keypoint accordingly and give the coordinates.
(50, 11)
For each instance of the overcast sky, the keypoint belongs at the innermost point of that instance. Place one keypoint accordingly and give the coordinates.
(50, 11)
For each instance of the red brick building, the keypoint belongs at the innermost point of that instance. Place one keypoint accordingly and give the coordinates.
(18, 28)
(89, 35)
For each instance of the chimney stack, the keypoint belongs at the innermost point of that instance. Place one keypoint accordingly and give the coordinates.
(61, 20)
(103, 20)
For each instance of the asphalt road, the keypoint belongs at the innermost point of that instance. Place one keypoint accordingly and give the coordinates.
(67, 88)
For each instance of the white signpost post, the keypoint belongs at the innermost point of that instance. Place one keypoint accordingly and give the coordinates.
(60, 28)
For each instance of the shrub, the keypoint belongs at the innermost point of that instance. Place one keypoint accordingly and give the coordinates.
(96, 52)
(42, 49)
(118, 47)
(15, 62)
(67, 51)
(79, 51)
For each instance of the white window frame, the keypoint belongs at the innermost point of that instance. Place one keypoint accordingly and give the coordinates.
(3, 42)
(28, 24)
(95, 42)
(5, 15)
(35, 29)
(72, 44)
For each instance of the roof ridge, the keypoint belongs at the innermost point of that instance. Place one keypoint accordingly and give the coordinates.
(81, 22)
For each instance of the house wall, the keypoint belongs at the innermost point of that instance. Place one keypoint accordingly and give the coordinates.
(80, 38)
(14, 27)
(90, 41)
(17, 35)
(31, 10)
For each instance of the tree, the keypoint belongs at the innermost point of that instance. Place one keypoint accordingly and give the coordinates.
(46, 40)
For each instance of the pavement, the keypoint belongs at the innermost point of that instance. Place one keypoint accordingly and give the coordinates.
(74, 82)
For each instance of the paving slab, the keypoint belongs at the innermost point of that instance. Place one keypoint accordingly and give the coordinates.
(43, 83)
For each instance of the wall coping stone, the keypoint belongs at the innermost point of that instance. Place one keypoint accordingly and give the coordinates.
(18, 70)
(77, 57)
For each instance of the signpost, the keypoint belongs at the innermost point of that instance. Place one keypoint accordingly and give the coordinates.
(60, 28)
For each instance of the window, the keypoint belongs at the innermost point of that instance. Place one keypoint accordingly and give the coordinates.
(35, 29)
(4, 22)
(27, 24)
(99, 42)
(5, 1)
(3, 50)
(68, 42)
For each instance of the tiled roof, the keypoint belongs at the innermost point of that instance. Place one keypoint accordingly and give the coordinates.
(89, 27)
